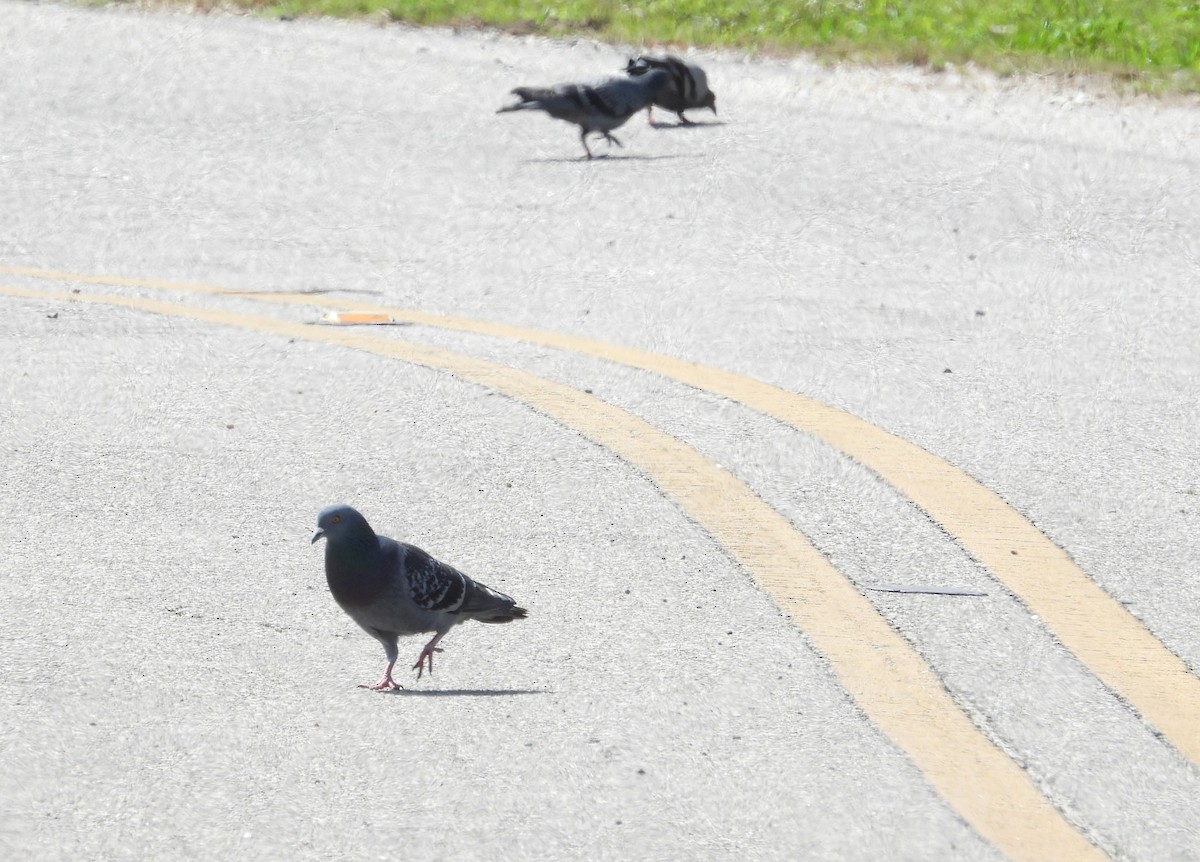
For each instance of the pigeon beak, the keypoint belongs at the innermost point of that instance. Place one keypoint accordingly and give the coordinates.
(318, 533)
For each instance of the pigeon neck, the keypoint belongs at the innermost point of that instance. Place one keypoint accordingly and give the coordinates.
(353, 568)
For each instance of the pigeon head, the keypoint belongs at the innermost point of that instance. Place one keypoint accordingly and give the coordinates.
(341, 523)
(710, 102)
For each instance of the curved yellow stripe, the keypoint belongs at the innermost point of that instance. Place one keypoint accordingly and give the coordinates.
(887, 678)
(1109, 640)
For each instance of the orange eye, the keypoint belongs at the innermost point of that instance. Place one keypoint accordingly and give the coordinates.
(337, 519)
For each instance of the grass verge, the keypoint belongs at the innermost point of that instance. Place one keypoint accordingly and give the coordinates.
(1152, 44)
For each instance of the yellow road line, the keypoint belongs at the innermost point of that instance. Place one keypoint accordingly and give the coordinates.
(883, 673)
(1095, 627)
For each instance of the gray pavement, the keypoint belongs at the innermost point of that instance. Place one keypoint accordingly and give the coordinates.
(1004, 272)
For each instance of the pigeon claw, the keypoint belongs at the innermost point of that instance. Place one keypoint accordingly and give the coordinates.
(387, 683)
(427, 656)
(612, 139)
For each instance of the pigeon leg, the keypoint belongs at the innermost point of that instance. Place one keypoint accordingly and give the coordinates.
(583, 137)
(684, 121)
(650, 115)
(612, 139)
(387, 683)
(427, 653)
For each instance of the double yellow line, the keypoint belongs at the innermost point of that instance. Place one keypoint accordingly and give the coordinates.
(889, 680)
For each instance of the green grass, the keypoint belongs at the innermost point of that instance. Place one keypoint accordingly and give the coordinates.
(1154, 43)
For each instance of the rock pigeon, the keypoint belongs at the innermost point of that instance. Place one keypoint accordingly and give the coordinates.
(688, 87)
(597, 108)
(391, 589)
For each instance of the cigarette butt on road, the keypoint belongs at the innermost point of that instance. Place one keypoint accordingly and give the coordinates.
(356, 318)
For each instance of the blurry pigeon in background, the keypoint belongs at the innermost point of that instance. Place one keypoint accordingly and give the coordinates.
(392, 589)
(688, 87)
(597, 108)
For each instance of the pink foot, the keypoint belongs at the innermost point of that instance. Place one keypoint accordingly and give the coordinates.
(427, 655)
(387, 683)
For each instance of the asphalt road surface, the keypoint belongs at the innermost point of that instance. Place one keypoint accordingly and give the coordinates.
(843, 449)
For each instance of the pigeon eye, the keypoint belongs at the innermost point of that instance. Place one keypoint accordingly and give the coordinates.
(336, 519)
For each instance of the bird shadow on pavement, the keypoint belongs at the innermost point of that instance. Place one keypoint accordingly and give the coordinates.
(605, 157)
(468, 692)
(695, 124)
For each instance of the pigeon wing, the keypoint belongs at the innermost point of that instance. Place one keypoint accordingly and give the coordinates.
(624, 97)
(440, 588)
(433, 585)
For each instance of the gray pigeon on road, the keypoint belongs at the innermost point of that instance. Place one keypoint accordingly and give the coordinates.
(688, 87)
(597, 108)
(391, 589)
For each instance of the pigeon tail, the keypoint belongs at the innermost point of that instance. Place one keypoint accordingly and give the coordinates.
(513, 613)
(486, 605)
